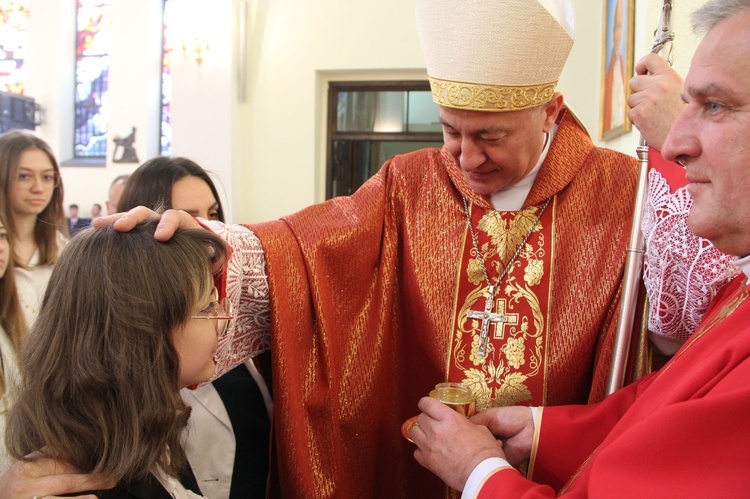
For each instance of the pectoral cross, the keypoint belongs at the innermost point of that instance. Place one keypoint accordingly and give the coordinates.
(487, 318)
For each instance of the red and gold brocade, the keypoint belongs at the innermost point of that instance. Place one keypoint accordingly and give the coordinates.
(365, 295)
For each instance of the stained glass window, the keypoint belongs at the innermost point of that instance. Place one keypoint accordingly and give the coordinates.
(93, 45)
(166, 84)
(14, 21)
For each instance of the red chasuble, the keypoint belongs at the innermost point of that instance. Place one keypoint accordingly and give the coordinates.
(370, 297)
(680, 432)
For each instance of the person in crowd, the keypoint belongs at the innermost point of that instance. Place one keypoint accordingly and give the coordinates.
(681, 431)
(114, 193)
(227, 442)
(75, 223)
(96, 210)
(12, 331)
(126, 323)
(170, 183)
(32, 208)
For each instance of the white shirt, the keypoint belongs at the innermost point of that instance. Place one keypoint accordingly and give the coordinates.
(31, 282)
(513, 197)
(10, 372)
(173, 487)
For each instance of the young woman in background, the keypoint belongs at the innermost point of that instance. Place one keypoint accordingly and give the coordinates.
(32, 206)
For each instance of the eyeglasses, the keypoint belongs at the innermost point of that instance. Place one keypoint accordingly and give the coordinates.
(219, 311)
(48, 179)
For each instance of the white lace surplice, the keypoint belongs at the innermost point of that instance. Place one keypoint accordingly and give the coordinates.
(247, 289)
(683, 272)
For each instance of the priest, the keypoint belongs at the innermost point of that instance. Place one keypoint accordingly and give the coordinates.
(679, 432)
(682, 272)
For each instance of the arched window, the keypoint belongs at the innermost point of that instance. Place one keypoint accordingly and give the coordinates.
(93, 44)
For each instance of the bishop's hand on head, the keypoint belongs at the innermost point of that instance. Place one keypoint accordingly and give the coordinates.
(169, 221)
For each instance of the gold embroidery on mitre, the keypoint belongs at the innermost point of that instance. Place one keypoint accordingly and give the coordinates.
(481, 97)
(515, 351)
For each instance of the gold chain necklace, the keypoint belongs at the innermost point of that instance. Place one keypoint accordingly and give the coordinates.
(487, 316)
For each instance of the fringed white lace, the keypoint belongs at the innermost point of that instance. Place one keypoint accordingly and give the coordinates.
(247, 289)
(683, 272)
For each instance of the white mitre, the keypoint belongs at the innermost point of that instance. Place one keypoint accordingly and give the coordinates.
(494, 55)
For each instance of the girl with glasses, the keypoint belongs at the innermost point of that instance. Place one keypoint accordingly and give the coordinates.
(227, 442)
(31, 197)
(122, 330)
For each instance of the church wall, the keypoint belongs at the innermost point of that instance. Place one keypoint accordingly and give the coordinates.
(289, 81)
(202, 108)
(134, 77)
(268, 151)
(296, 47)
(204, 96)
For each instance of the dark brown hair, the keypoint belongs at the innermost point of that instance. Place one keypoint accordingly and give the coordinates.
(151, 184)
(99, 372)
(52, 219)
(11, 317)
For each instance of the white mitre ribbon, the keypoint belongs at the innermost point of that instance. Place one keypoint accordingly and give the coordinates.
(562, 10)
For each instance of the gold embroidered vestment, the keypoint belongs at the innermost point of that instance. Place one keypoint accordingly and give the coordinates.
(369, 296)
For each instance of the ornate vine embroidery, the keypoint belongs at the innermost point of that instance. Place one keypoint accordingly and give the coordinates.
(515, 352)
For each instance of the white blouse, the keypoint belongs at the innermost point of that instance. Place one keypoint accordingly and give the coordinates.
(10, 371)
(31, 282)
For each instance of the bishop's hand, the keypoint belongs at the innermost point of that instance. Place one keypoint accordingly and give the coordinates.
(450, 445)
(169, 221)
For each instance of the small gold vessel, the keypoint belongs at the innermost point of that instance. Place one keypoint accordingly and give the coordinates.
(456, 396)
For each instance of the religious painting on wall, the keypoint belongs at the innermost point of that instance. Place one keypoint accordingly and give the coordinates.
(617, 67)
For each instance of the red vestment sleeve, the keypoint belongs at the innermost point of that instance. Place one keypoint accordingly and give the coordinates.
(569, 434)
(689, 449)
(681, 432)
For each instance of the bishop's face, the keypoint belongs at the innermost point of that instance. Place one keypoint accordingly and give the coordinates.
(495, 150)
(711, 136)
